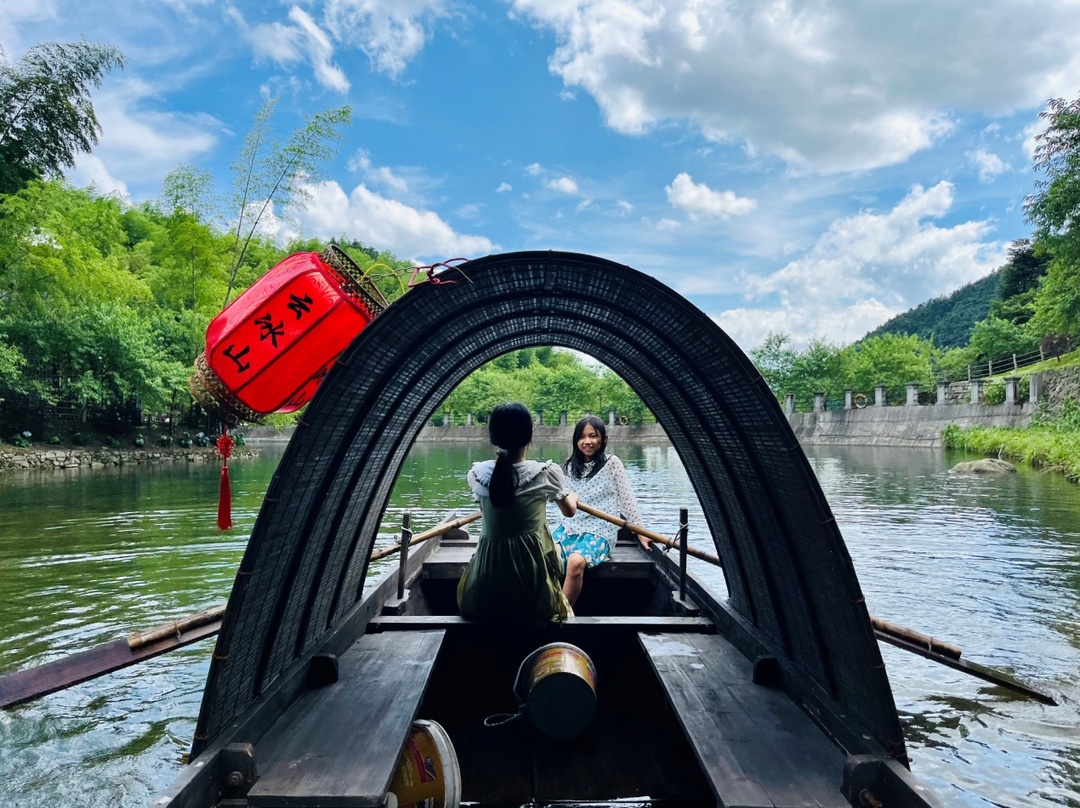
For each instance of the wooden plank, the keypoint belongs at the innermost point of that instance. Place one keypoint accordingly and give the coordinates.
(411, 622)
(337, 746)
(627, 561)
(756, 747)
(31, 683)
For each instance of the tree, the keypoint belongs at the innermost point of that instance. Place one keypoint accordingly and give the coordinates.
(892, 360)
(271, 177)
(46, 116)
(775, 360)
(1055, 211)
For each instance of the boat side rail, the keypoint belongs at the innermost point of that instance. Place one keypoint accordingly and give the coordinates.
(669, 624)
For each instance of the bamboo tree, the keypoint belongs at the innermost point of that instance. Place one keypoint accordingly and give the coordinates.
(274, 176)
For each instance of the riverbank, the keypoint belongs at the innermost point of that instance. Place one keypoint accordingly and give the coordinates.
(51, 458)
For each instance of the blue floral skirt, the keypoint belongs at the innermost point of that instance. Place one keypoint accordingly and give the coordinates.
(594, 549)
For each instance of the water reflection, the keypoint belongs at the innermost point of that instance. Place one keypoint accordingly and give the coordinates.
(987, 563)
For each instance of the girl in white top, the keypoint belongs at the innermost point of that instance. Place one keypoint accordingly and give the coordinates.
(599, 479)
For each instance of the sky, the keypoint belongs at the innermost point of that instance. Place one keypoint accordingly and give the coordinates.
(804, 167)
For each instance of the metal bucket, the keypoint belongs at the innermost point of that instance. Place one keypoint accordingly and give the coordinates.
(428, 774)
(557, 684)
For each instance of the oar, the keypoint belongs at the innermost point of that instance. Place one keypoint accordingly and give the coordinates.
(31, 683)
(438, 530)
(900, 636)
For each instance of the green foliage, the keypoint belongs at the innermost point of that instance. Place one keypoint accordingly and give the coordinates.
(82, 439)
(547, 381)
(20, 439)
(996, 337)
(891, 360)
(46, 117)
(949, 320)
(1054, 210)
(1051, 443)
(53, 440)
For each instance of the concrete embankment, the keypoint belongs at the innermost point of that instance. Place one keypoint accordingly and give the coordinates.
(901, 426)
(13, 458)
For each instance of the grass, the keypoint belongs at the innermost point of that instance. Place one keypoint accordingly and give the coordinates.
(1048, 443)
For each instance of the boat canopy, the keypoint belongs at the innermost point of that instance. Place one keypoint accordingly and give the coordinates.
(791, 582)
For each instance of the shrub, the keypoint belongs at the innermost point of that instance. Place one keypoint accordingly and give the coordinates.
(239, 438)
(165, 440)
(20, 440)
(82, 439)
(54, 440)
(994, 392)
(139, 441)
(111, 442)
(184, 441)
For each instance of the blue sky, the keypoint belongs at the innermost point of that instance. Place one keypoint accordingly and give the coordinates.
(808, 167)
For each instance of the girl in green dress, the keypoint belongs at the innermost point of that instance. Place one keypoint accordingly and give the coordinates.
(514, 574)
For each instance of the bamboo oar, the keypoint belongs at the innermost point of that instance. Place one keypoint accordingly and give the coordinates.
(26, 685)
(31, 683)
(649, 534)
(438, 530)
(900, 636)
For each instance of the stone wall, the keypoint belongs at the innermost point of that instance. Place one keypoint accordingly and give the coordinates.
(13, 458)
(1059, 386)
(901, 426)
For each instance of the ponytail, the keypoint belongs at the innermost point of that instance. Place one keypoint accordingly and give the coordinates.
(503, 481)
(510, 428)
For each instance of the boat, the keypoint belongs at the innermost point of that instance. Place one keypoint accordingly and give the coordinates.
(775, 695)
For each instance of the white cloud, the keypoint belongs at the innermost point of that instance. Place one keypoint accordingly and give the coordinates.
(830, 85)
(286, 44)
(866, 268)
(140, 142)
(91, 170)
(14, 13)
(406, 231)
(989, 165)
(380, 175)
(533, 169)
(504, 187)
(699, 200)
(563, 185)
(391, 34)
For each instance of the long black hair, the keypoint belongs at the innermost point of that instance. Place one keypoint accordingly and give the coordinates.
(575, 464)
(510, 427)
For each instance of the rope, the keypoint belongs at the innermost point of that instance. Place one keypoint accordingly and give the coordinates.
(437, 279)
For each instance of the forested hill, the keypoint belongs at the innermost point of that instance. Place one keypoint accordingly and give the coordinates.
(948, 321)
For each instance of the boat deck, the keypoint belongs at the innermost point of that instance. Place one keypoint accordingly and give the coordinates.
(679, 718)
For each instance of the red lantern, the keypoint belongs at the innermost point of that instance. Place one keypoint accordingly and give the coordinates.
(271, 347)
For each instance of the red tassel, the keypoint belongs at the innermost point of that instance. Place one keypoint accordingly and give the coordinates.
(224, 506)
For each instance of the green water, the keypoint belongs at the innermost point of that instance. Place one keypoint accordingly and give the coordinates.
(992, 564)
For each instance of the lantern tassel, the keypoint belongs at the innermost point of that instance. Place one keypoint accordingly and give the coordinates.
(224, 506)
(225, 445)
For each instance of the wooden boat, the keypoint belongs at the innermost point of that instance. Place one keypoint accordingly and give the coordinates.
(774, 696)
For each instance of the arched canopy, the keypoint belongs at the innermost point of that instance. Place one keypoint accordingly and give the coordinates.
(788, 572)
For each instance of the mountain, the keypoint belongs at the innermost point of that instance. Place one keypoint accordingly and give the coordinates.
(947, 321)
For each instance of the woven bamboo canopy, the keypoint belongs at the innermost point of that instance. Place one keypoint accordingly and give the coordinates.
(790, 578)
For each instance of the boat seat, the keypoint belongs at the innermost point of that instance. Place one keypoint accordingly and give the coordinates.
(626, 561)
(338, 744)
(755, 746)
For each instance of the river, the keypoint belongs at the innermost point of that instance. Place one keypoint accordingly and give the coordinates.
(988, 563)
